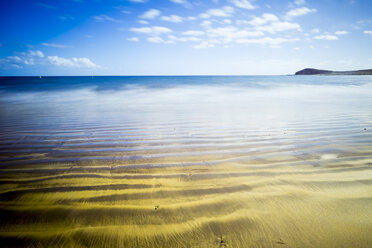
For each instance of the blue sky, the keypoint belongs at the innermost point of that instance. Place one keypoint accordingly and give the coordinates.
(183, 37)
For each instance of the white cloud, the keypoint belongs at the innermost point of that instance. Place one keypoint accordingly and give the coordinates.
(299, 12)
(71, 63)
(172, 18)
(102, 18)
(315, 30)
(185, 3)
(155, 30)
(169, 39)
(203, 44)
(275, 27)
(206, 24)
(29, 61)
(183, 39)
(299, 2)
(134, 39)
(150, 14)
(143, 22)
(193, 33)
(263, 20)
(266, 41)
(244, 4)
(39, 54)
(368, 32)
(155, 39)
(15, 59)
(326, 37)
(231, 33)
(191, 18)
(38, 58)
(54, 45)
(222, 12)
(15, 66)
(192, 38)
(25, 58)
(341, 32)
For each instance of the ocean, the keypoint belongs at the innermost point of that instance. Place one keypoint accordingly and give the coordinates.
(254, 161)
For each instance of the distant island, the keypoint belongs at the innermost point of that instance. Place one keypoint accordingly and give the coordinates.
(312, 71)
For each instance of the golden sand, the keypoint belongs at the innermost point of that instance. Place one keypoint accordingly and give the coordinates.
(280, 201)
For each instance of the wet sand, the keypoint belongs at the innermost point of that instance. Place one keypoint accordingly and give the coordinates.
(167, 188)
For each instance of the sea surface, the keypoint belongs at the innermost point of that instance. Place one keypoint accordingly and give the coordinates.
(186, 161)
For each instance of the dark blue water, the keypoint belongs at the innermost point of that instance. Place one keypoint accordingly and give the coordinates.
(120, 82)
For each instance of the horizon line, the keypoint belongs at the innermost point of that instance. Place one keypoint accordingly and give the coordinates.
(155, 75)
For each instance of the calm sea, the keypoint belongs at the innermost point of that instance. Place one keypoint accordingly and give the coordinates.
(148, 113)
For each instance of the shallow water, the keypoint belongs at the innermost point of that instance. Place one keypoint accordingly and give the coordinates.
(257, 161)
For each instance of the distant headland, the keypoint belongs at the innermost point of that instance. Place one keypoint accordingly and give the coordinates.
(312, 71)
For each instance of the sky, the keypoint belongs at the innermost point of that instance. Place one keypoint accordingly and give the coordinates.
(183, 37)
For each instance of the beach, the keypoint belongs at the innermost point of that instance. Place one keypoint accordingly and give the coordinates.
(186, 162)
